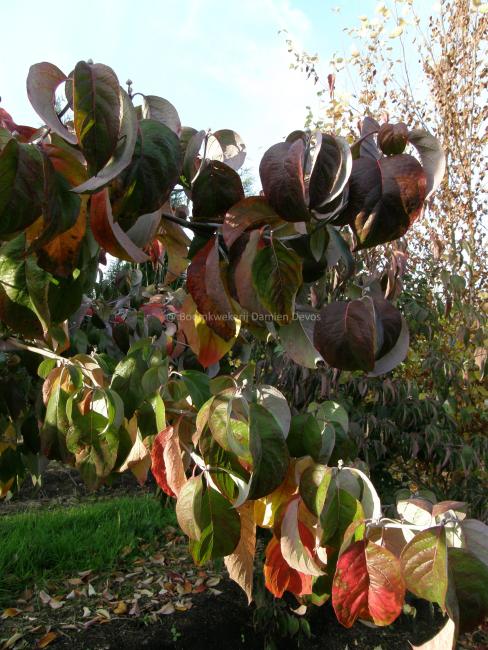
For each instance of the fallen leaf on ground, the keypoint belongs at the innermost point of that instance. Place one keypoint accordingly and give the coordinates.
(120, 608)
(91, 590)
(13, 640)
(47, 639)
(45, 597)
(10, 612)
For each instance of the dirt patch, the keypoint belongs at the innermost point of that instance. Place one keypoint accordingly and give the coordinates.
(63, 486)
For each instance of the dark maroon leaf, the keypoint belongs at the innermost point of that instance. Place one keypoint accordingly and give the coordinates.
(368, 147)
(402, 197)
(216, 189)
(281, 172)
(345, 334)
(388, 325)
(325, 171)
(393, 138)
(364, 190)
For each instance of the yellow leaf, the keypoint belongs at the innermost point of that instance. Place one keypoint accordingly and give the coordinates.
(121, 608)
(397, 32)
(10, 612)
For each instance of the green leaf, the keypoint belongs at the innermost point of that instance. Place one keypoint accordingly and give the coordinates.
(55, 427)
(424, 565)
(189, 506)
(339, 511)
(304, 438)
(475, 535)
(220, 528)
(276, 403)
(228, 423)
(277, 276)
(96, 106)
(61, 206)
(269, 452)
(198, 385)
(21, 186)
(469, 577)
(329, 411)
(227, 467)
(93, 436)
(152, 173)
(296, 339)
(127, 381)
(314, 485)
(5, 136)
(45, 367)
(122, 155)
(23, 281)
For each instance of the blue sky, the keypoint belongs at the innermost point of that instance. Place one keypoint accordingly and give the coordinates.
(222, 63)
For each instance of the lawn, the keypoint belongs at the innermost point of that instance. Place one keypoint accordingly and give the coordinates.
(45, 545)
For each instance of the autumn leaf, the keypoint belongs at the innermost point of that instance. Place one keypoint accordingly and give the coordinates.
(240, 564)
(368, 584)
(167, 465)
(280, 577)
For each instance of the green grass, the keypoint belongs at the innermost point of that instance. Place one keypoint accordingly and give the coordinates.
(41, 546)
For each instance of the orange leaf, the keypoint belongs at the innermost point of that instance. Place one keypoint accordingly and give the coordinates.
(240, 563)
(10, 612)
(109, 234)
(47, 639)
(60, 255)
(167, 465)
(279, 577)
(205, 343)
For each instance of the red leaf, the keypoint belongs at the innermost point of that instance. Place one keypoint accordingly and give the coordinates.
(331, 83)
(279, 577)
(166, 463)
(368, 584)
(109, 234)
(204, 282)
(250, 213)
